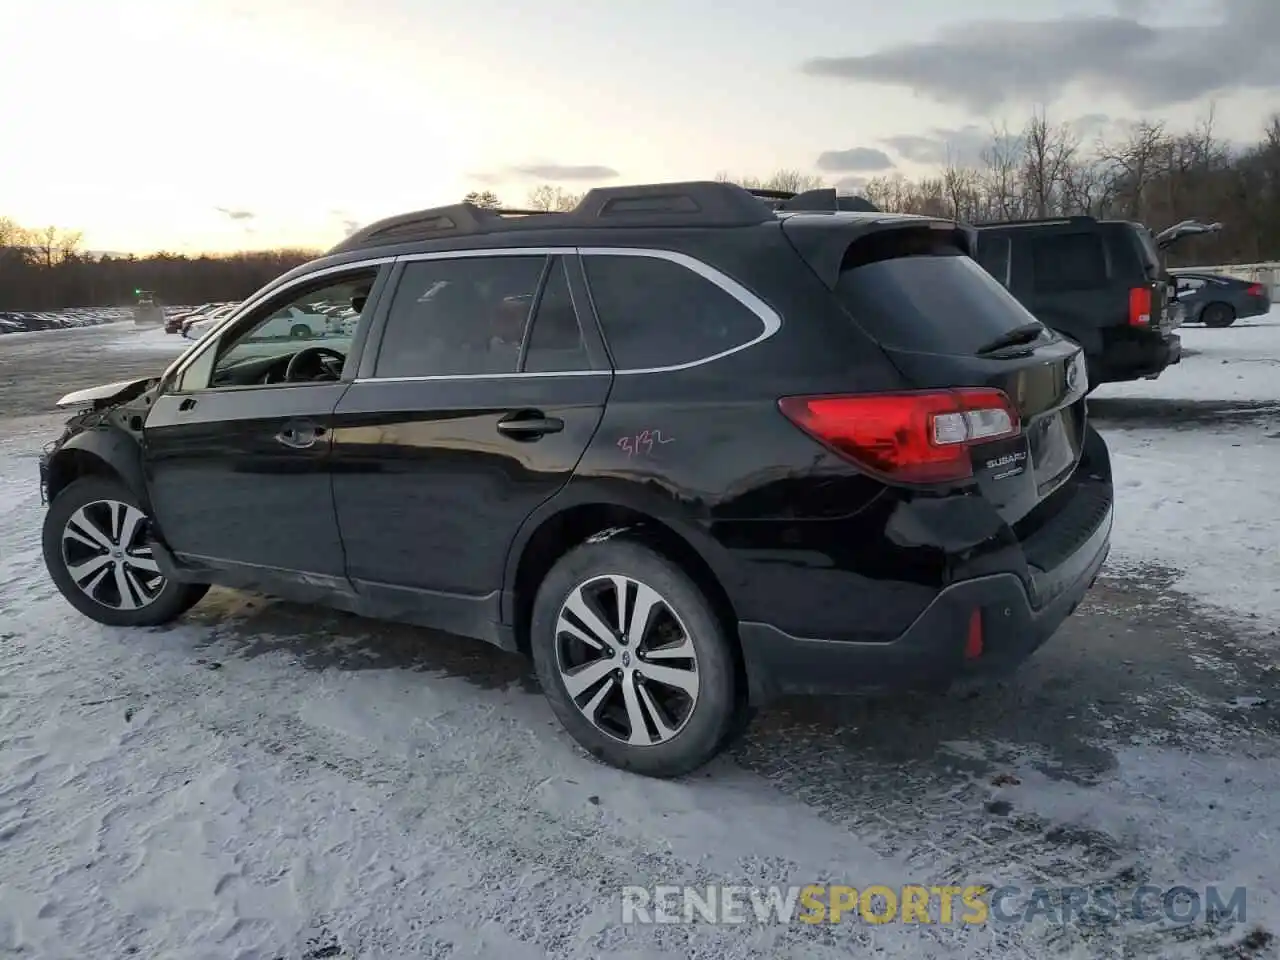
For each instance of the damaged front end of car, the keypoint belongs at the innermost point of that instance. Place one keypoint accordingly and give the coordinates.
(105, 432)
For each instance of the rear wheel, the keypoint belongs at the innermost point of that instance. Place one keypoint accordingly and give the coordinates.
(300, 330)
(97, 553)
(1218, 315)
(634, 660)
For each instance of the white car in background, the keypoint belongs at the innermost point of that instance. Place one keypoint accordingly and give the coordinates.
(293, 321)
(196, 328)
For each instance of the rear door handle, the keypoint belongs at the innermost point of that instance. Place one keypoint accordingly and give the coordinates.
(529, 425)
(300, 436)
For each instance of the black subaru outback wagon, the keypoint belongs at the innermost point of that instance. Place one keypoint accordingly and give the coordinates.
(686, 447)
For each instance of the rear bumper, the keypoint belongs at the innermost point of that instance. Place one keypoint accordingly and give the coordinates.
(1256, 307)
(1132, 358)
(931, 651)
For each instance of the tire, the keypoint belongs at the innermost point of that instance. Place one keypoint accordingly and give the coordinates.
(1218, 315)
(300, 330)
(152, 599)
(697, 727)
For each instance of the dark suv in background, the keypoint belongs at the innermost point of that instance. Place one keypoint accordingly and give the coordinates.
(686, 447)
(1100, 282)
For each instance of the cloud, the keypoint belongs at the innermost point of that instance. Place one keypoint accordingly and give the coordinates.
(964, 146)
(1132, 8)
(985, 64)
(349, 223)
(544, 172)
(236, 214)
(559, 171)
(851, 184)
(958, 146)
(860, 159)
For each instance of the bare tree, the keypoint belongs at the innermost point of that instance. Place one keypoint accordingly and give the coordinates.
(45, 243)
(552, 199)
(68, 245)
(1136, 161)
(1047, 155)
(962, 186)
(12, 235)
(785, 181)
(483, 198)
(1002, 176)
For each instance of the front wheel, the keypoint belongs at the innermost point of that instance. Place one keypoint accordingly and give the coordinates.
(96, 551)
(634, 659)
(300, 331)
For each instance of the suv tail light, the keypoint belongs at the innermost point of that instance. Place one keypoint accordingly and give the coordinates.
(1256, 290)
(1140, 307)
(914, 437)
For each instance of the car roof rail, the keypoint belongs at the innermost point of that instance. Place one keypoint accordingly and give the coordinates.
(820, 200)
(1031, 222)
(696, 203)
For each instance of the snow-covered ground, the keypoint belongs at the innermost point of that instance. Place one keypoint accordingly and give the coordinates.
(266, 780)
(1196, 455)
(149, 340)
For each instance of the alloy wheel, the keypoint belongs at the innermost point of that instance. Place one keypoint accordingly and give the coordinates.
(626, 660)
(105, 552)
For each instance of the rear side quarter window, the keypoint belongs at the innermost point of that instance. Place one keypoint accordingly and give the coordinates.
(656, 312)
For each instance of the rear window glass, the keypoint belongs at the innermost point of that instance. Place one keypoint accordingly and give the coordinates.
(942, 302)
(1062, 262)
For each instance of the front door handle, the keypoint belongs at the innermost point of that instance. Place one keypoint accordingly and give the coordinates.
(529, 425)
(300, 436)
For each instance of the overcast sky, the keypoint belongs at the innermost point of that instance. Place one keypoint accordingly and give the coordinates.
(219, 124)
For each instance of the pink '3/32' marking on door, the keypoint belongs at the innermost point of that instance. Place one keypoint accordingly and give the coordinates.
(641, 444)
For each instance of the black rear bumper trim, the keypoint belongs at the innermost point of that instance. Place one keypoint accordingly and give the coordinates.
(931, 651)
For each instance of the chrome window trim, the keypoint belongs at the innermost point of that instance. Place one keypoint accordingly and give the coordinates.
(768, 317)
(255, 300)
(486, 376)
(486, 252)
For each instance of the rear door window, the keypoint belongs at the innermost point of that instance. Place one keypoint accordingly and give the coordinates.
(658, 313)
(935, 302)
(1068, 262)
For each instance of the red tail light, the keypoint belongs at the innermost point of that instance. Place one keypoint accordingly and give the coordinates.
(916, 437)
(1256, 290)
(1140, 307)
(973, 637)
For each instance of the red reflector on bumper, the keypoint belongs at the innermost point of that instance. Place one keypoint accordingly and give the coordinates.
(973, 639)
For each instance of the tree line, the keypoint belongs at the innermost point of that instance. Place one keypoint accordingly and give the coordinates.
(47, 270)
(1147, 172)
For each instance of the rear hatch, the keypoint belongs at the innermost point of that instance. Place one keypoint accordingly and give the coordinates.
(948, 326)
